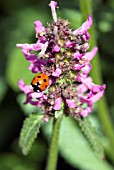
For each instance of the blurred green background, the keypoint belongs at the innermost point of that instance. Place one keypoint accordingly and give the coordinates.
(16, 26)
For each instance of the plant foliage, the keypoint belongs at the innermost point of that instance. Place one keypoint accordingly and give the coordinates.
(90, 134)
(29, 132)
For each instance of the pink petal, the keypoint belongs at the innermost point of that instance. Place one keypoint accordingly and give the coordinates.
(57, 72)
(23, 87)
(86, 36)
(57, 104)
(96, 97)
(85, 112)
(70, 44)
(87, 82)
(98, 88)
(81, 88)
(84, 80)
(90, 55)
(85, 26)
(26, 48)
(86, 69)
(31, 47)
(77, 66)
(77, 55)
(34, 103)
(36, 95)
(71, 103)
(53, 4)
(37, 65)
(56, 49)
(38, 27)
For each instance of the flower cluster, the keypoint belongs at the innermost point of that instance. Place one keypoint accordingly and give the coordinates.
(61, 54)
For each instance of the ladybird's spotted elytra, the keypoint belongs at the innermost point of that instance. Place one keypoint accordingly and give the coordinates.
(40, 82)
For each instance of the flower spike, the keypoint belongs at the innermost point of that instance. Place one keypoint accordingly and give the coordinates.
(60, 55)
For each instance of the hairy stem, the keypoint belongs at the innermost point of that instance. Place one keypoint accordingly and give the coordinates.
(53, 151)
(103, 112)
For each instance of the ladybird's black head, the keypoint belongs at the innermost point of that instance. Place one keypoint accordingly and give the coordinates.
(36, 88)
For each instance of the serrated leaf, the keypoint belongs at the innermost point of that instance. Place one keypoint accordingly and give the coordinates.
(29, 132)
(89, 132)
(76, 150)
(74, 147)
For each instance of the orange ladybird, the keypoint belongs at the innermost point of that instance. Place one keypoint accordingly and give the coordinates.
(40, 82)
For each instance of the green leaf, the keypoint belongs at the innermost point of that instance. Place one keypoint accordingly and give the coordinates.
(29, 132)
(90, 134)
(76, 150)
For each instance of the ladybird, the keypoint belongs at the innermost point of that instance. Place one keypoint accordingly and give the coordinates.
(40, 82)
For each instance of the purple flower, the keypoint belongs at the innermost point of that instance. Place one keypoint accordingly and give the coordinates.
(56, 49)
(61, 53)
(38, 27)
(57, 72)
(57, 104)
(84, 28)
(53, 4)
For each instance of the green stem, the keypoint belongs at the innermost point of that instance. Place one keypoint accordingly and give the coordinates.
(103, 112)
(53, 151)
